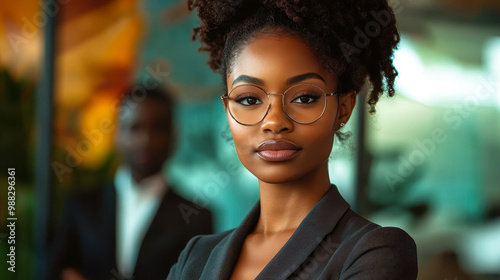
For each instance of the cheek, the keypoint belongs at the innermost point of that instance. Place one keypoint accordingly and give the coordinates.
(238, 132)
(242, 137)
(320, 135)
(328, 121)
(161, 143)
(319, 139)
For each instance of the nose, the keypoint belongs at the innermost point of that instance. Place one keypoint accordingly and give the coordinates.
(276, 119)
(143, 138)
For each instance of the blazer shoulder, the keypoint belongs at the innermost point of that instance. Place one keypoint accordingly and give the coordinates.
(89, 200)
(391, 250)
(195, 255)
(199, 218)
(86, 195)
(179, 200)
(390, 237)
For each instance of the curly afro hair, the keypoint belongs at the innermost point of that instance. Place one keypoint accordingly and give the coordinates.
(356, 38)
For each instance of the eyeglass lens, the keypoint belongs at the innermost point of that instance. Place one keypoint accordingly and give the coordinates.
(303, 103)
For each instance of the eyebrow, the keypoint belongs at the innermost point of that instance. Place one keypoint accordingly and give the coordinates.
(292, 80)
(248, 79)
(302, 77)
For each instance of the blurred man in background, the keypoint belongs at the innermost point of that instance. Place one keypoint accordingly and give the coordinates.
(136, 227)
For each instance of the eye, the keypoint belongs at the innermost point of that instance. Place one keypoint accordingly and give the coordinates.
(306, 98)
(248, 100)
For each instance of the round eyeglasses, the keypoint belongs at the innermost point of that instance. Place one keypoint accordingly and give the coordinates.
(302, 103)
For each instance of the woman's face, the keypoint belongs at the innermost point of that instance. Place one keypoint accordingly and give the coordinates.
(277, 149)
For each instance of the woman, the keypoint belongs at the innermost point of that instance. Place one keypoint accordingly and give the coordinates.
(291, 71)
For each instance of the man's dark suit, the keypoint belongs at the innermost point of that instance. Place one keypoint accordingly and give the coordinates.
(87, 238)
(332, 242)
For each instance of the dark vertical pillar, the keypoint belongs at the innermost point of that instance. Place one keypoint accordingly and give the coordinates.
(44, 108)
(362, 160)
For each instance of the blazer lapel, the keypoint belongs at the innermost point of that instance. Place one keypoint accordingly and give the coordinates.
(310, 233)
(162, 222)
(223, 258)
(313, 229)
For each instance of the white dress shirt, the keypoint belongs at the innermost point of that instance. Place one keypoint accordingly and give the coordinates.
(136, 206)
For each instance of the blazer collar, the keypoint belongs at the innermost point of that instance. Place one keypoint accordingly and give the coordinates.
(311, 231)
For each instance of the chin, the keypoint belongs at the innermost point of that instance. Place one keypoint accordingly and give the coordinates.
(274, 180)
(278, 173)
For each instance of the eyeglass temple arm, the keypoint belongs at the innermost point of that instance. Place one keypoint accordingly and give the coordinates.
(335, 93)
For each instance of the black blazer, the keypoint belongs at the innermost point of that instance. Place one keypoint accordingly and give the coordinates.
(87, 237)
(332, 242)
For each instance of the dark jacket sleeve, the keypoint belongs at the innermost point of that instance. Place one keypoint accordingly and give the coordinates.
(382, 254)
(63, 250)
(177, 269)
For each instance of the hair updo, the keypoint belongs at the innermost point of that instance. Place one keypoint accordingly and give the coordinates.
(356, 39)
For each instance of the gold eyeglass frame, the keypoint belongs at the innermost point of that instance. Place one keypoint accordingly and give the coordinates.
(225, 102)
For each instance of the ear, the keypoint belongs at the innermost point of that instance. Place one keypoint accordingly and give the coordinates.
(224, 101)
(172, 141)
(347, 101)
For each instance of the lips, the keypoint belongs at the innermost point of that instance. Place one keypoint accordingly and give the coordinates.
(277, 150)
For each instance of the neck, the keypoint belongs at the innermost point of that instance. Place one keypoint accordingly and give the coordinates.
(140, 176)
(285, 205)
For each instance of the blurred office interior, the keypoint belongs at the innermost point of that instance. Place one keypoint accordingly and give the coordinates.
(428, 161)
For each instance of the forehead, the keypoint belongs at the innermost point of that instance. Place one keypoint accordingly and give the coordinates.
(275, 58)
(147, 110)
